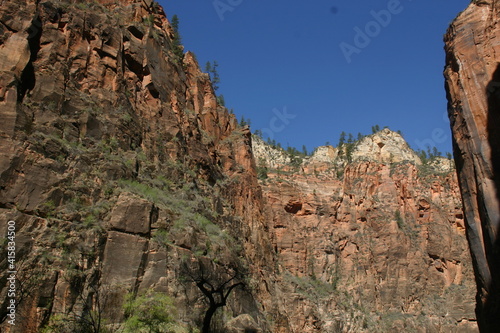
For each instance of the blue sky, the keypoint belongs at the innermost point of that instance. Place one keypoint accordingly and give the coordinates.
(303, 72)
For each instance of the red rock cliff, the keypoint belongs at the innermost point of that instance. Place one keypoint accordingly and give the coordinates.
(369, 245)
(122, 173)
(473, 86)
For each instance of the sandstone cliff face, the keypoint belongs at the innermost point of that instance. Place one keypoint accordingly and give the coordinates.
(472, 80)
(374, 247)
(119, 167)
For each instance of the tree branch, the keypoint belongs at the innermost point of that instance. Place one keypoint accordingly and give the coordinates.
(231, 289)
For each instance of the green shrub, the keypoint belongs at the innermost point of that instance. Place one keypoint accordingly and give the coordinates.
(262, 172)
(59, 323)
(399, 219)
(49, 208)
(152, 312)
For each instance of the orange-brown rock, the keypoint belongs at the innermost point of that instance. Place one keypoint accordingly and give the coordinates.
(118, 165)
(473, 85)
(371, 246)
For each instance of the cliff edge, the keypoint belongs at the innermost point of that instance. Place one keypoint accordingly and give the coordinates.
(472, 74)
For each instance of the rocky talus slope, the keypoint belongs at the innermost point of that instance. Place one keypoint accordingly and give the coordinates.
(378, 242)
(473, 85)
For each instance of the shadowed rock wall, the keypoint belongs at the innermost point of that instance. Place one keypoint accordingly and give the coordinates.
(472, 83)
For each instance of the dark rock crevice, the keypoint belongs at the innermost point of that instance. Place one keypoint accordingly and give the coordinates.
(142, 267)
(490, 314)
(9, 28)
(28, 77)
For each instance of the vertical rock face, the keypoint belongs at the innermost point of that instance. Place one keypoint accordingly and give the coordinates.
(120, 170)
(370, 245)
(473, 86)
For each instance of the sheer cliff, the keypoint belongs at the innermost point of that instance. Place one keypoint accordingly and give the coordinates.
(472, 81)
(369, 232)
(121, 172)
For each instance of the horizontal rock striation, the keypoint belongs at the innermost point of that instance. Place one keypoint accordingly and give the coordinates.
(370, 245)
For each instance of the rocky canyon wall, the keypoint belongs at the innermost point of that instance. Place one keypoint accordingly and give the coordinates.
(473, 86)
(369, 233)
(121, 172)
(128, 183)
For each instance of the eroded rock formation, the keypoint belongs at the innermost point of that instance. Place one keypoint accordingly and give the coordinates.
(119, 169)
(381, 245)
(472, 81)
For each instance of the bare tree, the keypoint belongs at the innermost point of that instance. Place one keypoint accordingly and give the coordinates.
(28, 278)
(89, 298)
(215, 281)
(93, 299)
